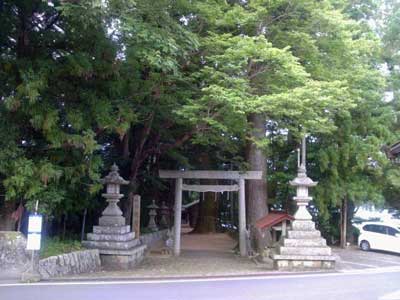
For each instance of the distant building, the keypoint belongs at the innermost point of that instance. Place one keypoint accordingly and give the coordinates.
(395, 150)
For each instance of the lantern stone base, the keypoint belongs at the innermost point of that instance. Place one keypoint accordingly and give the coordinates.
(303, 249)
(117, 245)
(111, 221)
(112, 260)
(302, 263)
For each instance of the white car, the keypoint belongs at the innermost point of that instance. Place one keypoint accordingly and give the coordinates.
(379, 236)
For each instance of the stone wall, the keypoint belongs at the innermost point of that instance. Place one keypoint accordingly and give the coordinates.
(150, 239)
(13, 254)
(85, 261)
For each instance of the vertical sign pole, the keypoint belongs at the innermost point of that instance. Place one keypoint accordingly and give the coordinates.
(178, 216)
(33, 251)
(242, 218)
(33, 243)
(32, 260)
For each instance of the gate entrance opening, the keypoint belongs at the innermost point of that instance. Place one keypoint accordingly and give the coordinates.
(237, 176)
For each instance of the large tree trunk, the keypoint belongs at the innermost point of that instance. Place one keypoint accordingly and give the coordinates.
(256, 189)
(347, 212)
(207, 219)
(6, 222)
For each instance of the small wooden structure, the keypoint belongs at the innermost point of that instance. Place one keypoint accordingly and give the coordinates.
(190, 213)
(395, 150)
(278, 222)
(237, 176)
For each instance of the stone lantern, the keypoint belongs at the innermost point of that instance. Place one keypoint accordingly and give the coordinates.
(118, 247)
(303, 248)
(112, 215)
(152, 216)
(164, 211)
(302, 183)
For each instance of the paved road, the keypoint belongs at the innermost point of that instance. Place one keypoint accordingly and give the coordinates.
(377, 284)
(355, 259)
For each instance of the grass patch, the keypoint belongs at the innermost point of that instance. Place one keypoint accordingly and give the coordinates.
(146, 230)
(55, 246)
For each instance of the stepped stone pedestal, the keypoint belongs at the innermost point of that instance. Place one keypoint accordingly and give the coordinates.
(118, 247)
(303, 248)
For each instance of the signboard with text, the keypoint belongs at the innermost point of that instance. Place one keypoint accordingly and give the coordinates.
(34, 232)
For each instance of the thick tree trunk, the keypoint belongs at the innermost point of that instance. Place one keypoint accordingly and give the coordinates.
(6, 222)
(256, 189)
(351, 235)
(207, 219)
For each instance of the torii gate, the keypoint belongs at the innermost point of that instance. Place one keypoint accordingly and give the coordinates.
(232, 175)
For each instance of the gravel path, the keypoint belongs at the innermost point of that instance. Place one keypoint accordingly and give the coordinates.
(202, 255)
(213, 255)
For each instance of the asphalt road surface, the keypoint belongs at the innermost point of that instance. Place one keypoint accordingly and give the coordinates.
(362, 285)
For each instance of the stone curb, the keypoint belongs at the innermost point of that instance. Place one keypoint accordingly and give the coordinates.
(177, 277)
(85, 261)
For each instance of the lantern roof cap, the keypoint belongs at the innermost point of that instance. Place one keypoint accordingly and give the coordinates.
(153, 205)
(113, 177)
(302, 179)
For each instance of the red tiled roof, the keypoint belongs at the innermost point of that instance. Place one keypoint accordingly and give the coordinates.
(272, 219)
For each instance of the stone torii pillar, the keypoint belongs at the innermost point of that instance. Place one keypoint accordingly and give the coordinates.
(178, 216)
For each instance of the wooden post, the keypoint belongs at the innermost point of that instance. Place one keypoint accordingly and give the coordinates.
(242, 218)
(136, 215)
(178, 216)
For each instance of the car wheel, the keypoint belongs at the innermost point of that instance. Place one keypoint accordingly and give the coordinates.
(364, 245)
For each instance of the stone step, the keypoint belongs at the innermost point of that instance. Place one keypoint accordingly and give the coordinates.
(303, 225)
(111, 237)
(292, 263)
(112, 229)
(306, 251)
(303, 257)
(138, 250)
(111, 245)
(304, 242)
(301, 234)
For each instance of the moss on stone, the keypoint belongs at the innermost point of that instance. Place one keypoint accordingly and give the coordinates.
(10, 235)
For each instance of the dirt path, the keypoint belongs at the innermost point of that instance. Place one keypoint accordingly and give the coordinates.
(217, 242)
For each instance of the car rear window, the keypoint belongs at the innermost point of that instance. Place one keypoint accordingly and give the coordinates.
(392, 231)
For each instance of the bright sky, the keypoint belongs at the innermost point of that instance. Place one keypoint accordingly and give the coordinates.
(369, 212)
